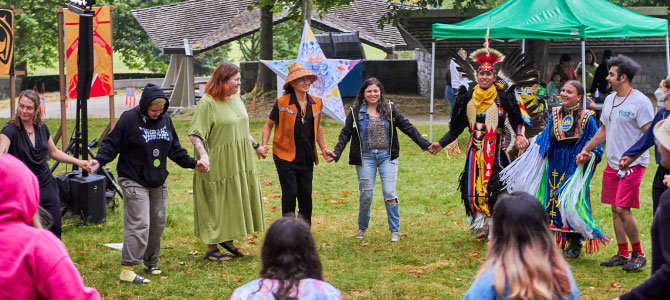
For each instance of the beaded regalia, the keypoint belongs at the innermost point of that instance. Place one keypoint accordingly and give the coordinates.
(548, 171)
(485, 112)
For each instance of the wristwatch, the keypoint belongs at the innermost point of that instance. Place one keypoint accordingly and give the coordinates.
(256, 145)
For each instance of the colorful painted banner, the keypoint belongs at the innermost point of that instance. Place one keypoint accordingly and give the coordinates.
(329, 71)
(102, 83)
(6, 42)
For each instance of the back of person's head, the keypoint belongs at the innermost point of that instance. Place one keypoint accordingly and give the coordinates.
(607, 54)
(19, 191)
(289, 255)
(523, 253)
(564, 58)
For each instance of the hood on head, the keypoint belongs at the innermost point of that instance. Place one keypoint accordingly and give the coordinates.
(19, 191)
(149, 93)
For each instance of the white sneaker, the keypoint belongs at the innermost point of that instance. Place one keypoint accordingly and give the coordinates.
(360, 234)
(395, 236)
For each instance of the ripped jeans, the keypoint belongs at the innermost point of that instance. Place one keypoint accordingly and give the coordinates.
(374, 160)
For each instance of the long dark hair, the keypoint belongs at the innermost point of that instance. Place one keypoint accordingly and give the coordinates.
(523, 254)
(289, 255)
(383, 106)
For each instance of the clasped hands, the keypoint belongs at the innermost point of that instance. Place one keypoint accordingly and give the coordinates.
(520, 142)
(262, 153)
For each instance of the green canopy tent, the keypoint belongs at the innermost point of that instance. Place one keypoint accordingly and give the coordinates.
(552, 19)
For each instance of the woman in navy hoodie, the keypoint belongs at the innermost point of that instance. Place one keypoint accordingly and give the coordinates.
(144, 139)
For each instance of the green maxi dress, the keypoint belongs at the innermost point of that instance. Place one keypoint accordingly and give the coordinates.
(227, 200)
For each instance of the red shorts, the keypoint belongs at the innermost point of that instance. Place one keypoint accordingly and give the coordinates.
(622, 192)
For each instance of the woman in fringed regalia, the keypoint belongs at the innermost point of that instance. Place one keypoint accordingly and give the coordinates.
(484, 111)
(548, 171)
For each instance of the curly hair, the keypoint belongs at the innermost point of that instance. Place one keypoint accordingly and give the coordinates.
(626, 66)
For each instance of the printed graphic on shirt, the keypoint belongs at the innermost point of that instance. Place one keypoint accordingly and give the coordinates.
(624, 113)
(155, 134)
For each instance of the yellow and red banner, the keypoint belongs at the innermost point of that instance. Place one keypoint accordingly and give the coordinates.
(102, 83)
(6, 42)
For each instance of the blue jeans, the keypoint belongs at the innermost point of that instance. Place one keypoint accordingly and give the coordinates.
(374, 160)
(449, 94)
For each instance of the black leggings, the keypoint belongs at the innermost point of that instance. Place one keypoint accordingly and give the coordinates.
(296, 182)
(658, 187)
(50, 201)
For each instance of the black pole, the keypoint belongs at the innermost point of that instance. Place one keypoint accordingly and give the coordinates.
(85, 76)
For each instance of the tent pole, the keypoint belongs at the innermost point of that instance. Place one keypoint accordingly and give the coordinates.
(523, 45)
(432, 89)
(667, 54)
(584, 70)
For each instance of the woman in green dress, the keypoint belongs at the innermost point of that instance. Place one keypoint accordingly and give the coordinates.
(227, 200)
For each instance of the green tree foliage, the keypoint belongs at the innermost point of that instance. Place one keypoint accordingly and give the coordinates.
(35, 32)
(205, 62)
(136, 48)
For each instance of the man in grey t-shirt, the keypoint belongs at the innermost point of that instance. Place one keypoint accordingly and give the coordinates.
(626, 115)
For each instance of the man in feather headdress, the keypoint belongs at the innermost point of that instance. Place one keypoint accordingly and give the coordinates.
(484, 111)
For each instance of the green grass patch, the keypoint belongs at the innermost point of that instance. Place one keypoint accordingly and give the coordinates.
(435, 258)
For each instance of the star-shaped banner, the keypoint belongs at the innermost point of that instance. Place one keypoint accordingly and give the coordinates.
(329, 71)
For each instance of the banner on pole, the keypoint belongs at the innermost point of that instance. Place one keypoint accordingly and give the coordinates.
(102, 84)
(6, 42)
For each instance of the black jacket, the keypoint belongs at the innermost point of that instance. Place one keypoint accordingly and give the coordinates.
(657, 287)
(143, 145)
(350, 132)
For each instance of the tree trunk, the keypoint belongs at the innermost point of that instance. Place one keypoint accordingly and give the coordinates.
(307, 12)
(538, 50)
(264, 74)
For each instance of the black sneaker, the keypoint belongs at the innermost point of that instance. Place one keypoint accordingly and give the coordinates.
(616, 260)
(636, 262)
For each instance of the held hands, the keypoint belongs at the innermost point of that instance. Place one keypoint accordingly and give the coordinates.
(262, 152)
(583, 157)
(84, 165)
(202, 165)
(624, 163)
(434, 148)
(666, 180)
(328, 155)
(93, 165)
(521, 143)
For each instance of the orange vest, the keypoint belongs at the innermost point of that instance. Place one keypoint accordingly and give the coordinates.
(283, 143)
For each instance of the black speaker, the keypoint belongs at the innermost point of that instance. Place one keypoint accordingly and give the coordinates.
(88, 197)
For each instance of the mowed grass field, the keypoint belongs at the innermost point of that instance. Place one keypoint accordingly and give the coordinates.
(435, 258)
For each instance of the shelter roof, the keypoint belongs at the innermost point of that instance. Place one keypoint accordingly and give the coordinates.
(210, 23)
(419, 28)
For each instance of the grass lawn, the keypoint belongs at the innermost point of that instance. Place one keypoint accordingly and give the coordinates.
(435, 258)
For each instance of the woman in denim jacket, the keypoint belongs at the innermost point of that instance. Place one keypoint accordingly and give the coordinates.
(374, 146)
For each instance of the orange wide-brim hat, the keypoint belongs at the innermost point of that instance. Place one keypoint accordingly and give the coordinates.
(295, 71)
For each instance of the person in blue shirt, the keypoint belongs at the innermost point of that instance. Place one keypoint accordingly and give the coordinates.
(662, 95)
(523, 261)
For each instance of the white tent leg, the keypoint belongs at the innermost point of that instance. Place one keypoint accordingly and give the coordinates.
(523, 45)
(432, 90)
(584, 70)
(667, 54)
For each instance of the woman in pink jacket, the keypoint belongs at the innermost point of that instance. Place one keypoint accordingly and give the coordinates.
(33, 261)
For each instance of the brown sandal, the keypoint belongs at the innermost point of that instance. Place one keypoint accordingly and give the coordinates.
(216, 256)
